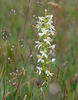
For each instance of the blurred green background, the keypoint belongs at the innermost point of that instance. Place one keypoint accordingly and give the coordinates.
(17, 49)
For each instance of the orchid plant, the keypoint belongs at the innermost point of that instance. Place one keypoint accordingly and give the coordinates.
(46, 47)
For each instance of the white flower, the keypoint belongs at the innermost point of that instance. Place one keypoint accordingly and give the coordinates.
(49, 22)
(49, 19)
(39, 70)
(53, 46)
(53, 60)
(47, 41)
(40, 34)
(40, 59)
(52, 27)
(39, 44)
(43, 54)
(48, 73)
(43, 33)
(38, 26)
(41, 19)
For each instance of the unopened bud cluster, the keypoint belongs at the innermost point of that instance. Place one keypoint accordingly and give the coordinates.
(45, 44)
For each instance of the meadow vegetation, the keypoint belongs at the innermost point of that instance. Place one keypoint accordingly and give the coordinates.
(18, 56)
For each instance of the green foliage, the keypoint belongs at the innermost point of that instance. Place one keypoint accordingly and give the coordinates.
(17, 50)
